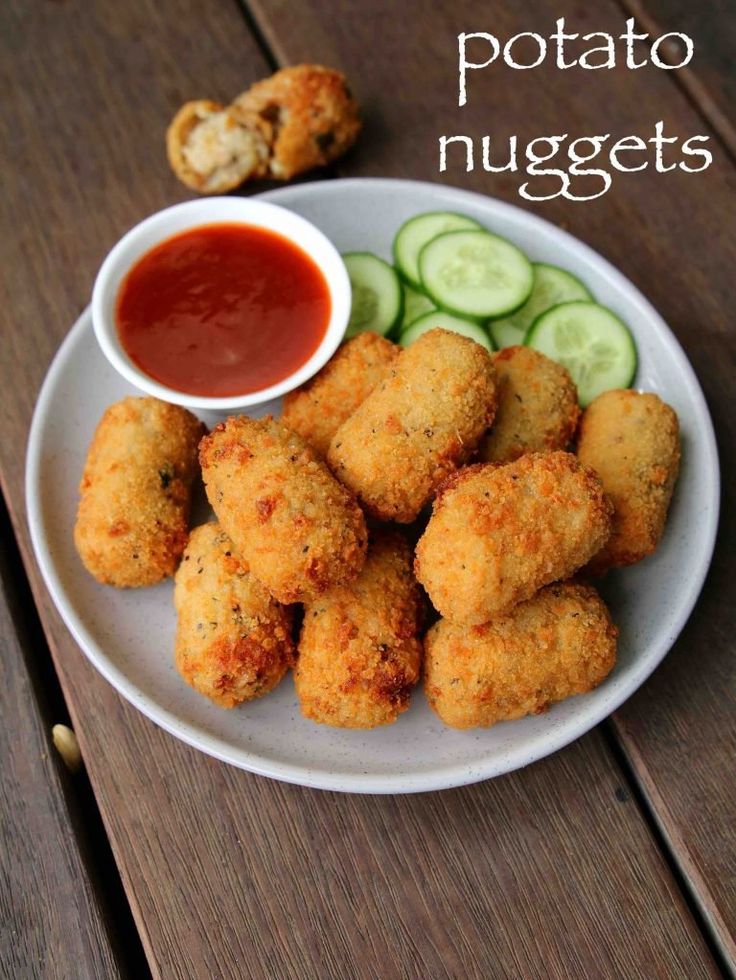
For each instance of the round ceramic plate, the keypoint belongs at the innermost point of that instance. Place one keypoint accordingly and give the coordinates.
(129, 635)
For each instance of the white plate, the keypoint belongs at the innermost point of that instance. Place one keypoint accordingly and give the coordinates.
(128, 635)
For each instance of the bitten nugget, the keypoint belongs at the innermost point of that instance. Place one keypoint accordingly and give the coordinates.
(537, 406)
(317, 409)
(359, 652)
(499, 533)
(559, 643)
(135, 492)
(313, 117)
(632, 441)
(300, 531)
(420, 424)
(213, 149)
(233, 641)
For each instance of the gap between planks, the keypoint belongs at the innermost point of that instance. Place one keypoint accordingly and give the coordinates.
(696, 91)
(687, 878)
(644, 795)
(85, 821)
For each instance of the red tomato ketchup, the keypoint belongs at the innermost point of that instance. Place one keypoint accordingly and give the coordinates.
(223, 309)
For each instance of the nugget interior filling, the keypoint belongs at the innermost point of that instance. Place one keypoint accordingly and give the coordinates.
(220, 148)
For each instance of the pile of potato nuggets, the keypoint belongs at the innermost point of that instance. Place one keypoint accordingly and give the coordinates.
(316, 511)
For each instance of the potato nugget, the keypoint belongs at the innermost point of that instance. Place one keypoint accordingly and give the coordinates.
(632, 441)
(312, 114)
(499, 533)
(317, 409)
(419, 425)
(213, 149)
(233, 641)
(133, 514)
(300, 531)
(537, 406)
(359, 652)
(559, 643)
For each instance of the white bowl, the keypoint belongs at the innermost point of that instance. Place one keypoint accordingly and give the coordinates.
(192, 214)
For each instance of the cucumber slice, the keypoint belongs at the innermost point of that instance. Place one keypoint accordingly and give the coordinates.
(438, 318)
(551, 287)
(377, 298)
(592, 343)
(416, 304)
(416, 232)
(475, 274)
(505, 333)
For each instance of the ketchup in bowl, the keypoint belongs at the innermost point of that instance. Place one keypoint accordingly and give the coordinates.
(223, 309)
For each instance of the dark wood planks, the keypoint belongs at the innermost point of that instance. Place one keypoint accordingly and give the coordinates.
(52, 921)
(673, 234)
(239, 877)
(709, 79)
(549, 869)
(93, 88)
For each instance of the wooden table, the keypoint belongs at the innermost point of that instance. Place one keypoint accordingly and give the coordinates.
(613, 858)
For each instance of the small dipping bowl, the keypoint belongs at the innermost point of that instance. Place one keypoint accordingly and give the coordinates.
(170, 222)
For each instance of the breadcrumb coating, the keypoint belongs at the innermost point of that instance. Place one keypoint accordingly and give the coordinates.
(417, 426)
(632, 441)
(133, 515)
(312, 115)
(559, 643)
(233, 641)
(213, 149)
(359, 651)
(317, 409)
(300, 531)
(537, 406)
(498, 533)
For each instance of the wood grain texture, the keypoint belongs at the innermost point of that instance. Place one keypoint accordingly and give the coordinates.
(672, 234)
(240, 877)
(709, 79)
(550, 870)
(52, 921)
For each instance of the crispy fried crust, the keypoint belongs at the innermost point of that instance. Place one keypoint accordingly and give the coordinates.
(537, 406)
(313, 117)
(499, 533)
(317, 409)
(420, 424)
(136, 492)
(632, 441)
(233, 641)
(213, 149)
(559, 643)
(359, 651)
(300, 531)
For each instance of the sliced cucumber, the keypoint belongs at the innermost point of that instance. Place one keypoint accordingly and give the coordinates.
(416, 304)
(438, 318)
(377, 302)
(592, 343)
(475, 274)
(417, 231)
(551, 287)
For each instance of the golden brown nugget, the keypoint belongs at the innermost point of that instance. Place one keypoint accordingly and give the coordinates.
(359, 651)
(499, 533)
(233, 641)
(300, 531)
(419, 425)
(133, 514)
(213, 149)
(317, 409)
(559, 643)
(632, 441)
(313, 117)
(537, 406)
